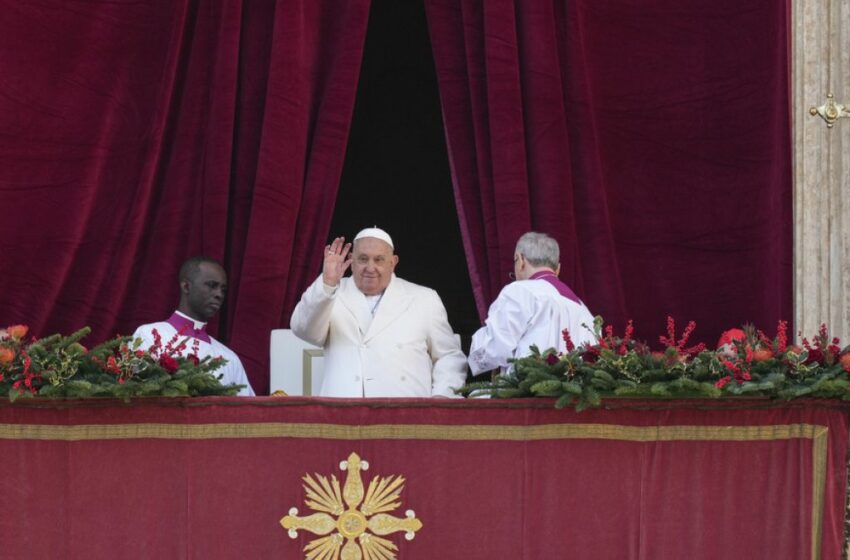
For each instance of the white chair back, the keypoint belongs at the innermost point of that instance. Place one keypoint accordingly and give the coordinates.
(296, 367)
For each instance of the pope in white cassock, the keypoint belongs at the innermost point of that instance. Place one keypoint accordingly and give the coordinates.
(382, 336)
(203, 286)
(533, 310)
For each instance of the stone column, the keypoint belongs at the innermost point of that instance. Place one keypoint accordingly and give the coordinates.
(821, 65)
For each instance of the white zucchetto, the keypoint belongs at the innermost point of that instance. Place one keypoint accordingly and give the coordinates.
(377, 233)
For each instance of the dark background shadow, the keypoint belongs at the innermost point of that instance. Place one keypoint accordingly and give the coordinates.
(396, 172)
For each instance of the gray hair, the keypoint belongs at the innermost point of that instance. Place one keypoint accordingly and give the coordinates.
(539, 249)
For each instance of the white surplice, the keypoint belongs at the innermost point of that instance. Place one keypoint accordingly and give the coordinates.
(231, 372)
(526, 313)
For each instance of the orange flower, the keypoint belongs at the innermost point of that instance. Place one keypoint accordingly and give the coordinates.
(17, 331)
(6, 355)
(845, 362)
(762, 355)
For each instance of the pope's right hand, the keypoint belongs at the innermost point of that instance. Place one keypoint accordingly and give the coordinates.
(337, 261)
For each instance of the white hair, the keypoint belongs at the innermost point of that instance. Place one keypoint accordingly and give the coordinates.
(539, 249)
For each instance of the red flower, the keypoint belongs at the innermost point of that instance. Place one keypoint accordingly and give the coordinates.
(112, 365)
(627, 337)
(29, 377)
(815, 355)
(670, 340)
(722, 382)
(730, 336)
(590, 355)
(193, 358)
(824, 351)
(568, 340)
(168, 363)
(782, 336)
(169, 346)
(740, 374)
(607, 341)
(552, 359)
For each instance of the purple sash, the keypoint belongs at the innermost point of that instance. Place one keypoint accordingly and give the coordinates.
(562, 288)
(186, 327)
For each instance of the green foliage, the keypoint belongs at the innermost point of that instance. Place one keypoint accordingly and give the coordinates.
(753, 366)
(60, 366)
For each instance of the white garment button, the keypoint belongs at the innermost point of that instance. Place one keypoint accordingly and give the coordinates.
(403, 378)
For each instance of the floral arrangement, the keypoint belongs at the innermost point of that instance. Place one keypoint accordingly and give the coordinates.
(60, 366)
(746, 362)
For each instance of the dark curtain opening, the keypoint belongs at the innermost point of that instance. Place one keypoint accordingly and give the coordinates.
(396, 172)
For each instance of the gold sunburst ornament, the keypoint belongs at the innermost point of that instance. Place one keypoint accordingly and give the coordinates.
(349, 521)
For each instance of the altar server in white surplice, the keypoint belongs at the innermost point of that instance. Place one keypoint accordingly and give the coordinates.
(203, 286)
(533, 310)
(382, 336)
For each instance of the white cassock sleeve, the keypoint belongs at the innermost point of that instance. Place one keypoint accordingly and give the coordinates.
(497, 340)
(449, 369)
(311, 319)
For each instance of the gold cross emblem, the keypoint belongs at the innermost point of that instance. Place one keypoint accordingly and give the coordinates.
(349, 521)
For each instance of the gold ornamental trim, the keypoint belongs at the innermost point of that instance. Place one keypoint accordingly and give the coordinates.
(472, 432)
(819, 452)
(830, 111)
(359, 518)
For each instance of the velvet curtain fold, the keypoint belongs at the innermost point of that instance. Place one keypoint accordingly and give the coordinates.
(134, 135)
(652, 140)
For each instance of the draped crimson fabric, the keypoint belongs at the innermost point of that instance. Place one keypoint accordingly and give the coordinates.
(136, 134)
(212, 477)
(652, 139)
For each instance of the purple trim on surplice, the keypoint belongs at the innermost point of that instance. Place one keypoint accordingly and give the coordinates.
(562, 288)
(186, 327)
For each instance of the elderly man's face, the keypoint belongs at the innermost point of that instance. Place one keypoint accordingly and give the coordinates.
(373, 265)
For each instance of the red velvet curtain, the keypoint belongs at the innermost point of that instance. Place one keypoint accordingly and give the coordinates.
(652, 139)
(134, 135)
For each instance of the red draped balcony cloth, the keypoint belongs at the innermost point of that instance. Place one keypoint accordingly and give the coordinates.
(517, 479)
